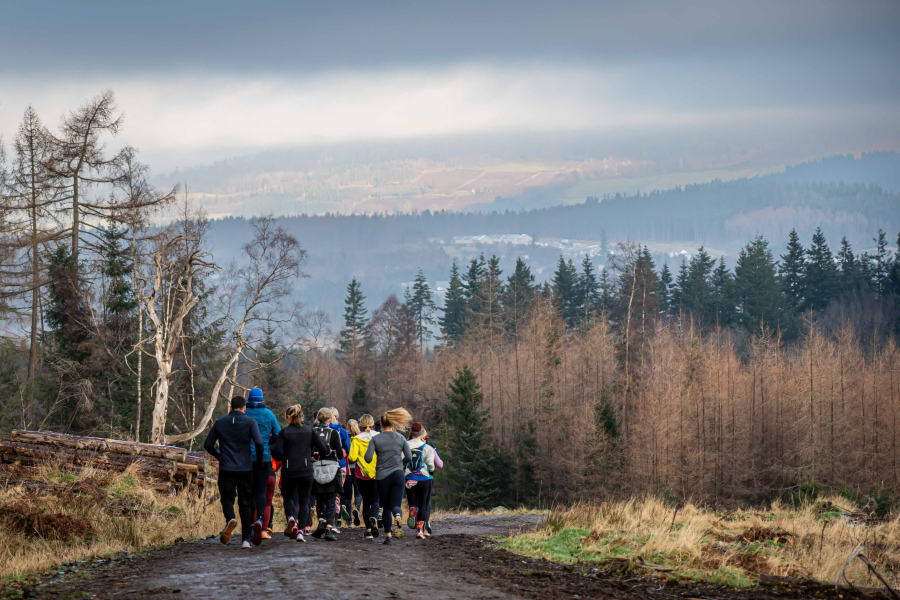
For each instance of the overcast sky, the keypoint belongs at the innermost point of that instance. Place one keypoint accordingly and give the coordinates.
(204, 79)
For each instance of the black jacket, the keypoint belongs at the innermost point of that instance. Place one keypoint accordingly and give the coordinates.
(294, 447)
(235, 432)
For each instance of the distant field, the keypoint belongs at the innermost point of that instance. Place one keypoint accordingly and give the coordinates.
(425, 186)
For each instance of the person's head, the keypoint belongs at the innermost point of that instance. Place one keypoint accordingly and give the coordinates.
(396, 419)
(324, 416)
(335, 414)
(255, 395)
(416, 431)
(353, 426)
(238, 403)
(294, 415)
(366, 422)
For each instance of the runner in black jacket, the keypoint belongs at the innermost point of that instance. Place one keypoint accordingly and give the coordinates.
(327, 475)
(294, 447)
(234, 433)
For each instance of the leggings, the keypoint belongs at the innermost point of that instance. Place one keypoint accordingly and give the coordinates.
(419, 496)
(390, 493)
(370, 504)
(295, 491)
(325, 507)
(350, 494)
(263, 492)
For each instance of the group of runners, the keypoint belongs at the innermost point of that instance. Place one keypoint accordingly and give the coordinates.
(355, 474)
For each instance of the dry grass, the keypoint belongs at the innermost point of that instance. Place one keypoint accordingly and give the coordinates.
(63, 514)
(732, 548)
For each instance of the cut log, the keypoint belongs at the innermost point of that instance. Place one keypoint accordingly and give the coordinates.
(85, 456)
(99, 444)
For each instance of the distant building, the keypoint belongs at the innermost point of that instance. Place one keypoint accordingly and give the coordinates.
(518, 239)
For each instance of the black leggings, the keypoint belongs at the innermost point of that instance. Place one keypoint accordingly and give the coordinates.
(325, 502)
(369, 492)
(390, 493)
(419, 496)
(296, 489)
(261, 484)
(350, 495)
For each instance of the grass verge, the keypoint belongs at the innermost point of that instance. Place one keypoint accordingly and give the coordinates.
(724, 548)
(65, 514)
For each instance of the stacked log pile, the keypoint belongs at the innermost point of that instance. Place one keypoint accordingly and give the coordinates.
(171, 469)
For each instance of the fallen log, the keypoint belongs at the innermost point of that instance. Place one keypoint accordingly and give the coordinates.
(100, 444)
(87, 456)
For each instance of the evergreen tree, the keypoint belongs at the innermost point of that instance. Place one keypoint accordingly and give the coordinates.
(681, 284)
(421, 305)
(820, 275)
(791, 272)
(274, 377)
(894, 275)
(453, 321)
(853, 272)
(724, 294)
(473, 279)
(485, 305)
(663, 290)
(359, 400)
(565, 290)
(67, 311)
(881, 263)
(527, 487)
(589, 289)
(696, 291)
(606, 292)
(757, 286)
(518, 296)
(353, 335)
(479, 475)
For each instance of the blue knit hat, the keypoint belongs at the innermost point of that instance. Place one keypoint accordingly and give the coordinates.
(256, 395)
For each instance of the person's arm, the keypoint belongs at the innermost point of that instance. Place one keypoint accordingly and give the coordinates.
(257, 441)
(345, 442)
(429, 458)
(277, 450)
(407, 453)
(353, 456)
(210, 444)
(370, 451)
(437, 459)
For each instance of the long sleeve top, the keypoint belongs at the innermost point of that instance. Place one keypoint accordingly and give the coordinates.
(294, 447)
(235, 432)
(393, 452)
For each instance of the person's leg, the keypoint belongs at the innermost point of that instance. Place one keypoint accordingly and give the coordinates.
(425, 503)
(288, 489)
(245, 503)
(270, 495)
(412, 501)
(304, 487)
(383, 486)
(347, 498)
(227, 493)
(395, 493)
(260, 483)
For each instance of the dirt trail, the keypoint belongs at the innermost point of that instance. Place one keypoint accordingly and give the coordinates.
(459, 562)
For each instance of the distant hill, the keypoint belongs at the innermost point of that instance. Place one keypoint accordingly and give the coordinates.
(874, 168)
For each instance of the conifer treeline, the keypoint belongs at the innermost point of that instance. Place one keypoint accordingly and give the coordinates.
(635, 382)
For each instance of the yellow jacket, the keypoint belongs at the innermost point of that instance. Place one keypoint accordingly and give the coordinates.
(358, 446)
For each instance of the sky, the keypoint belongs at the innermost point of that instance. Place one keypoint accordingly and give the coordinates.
(199, 81)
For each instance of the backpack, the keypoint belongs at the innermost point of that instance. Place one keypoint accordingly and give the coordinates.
(418, 459)
(325, 469)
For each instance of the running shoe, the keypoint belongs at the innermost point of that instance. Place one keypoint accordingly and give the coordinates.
(300, 537)
(386, 541)
(411, 520)
(420, 535)
(266, 536)
(329, 536)
(245, 544)
(398, 526)
(225, 536)
(380, 515)
(373, 522)
(291, 529)
(336, 529)
(320, 530)
(428, 528)
(307, 531)
(368, 535)
(345, 515)
(356, 522)
(425, 532)
(256, 538)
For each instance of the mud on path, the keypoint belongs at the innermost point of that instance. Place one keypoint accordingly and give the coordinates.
(460, 561)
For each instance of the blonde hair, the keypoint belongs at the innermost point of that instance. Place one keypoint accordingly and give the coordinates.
(294, 415)
(324, 415)
(335, 413)
(366, 421)
(396, 419)
(353, 426)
